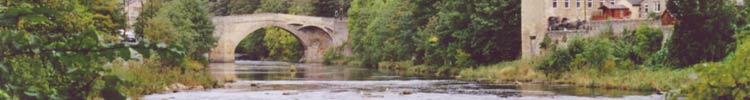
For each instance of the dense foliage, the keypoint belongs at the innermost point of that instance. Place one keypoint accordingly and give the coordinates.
(705, 30)
(382, 30)
(325, 8)
(183, 23)
(56, 49)
(451, 33)
(605, 52)
(271, 43)
(728, 79)
(723, 80)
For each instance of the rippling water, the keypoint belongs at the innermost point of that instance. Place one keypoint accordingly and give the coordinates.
(261, 80)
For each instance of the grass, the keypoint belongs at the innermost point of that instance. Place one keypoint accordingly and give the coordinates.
(633, 79)
(642, 78)
(519, 70)
(409, 69)
(149, 76)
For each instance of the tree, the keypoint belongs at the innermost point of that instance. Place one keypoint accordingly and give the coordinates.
(488, 30)
(704, 32)
(282, 45)
(273, 6)
(452, 33)
(54, 49)
(234, 7)
(302, 7)
(382, 30)
(328, 8)
(184, 23)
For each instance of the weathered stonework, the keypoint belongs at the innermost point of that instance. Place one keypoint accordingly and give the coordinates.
(533, 25)
(317, 34)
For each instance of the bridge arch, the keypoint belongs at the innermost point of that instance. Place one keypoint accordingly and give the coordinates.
(311, 32)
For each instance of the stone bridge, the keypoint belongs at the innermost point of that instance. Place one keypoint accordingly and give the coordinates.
(317, 34)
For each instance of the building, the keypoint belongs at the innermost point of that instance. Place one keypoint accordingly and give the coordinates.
(533, 26)
(613, 12)
(634, 6)
(576, 9)
(667, 18)
(652, 8)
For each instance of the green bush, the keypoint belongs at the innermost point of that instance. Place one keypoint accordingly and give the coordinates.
(723, 80)
(546, 43)
(641, 44)
(561, 58)
(602, 53)
(597, 52)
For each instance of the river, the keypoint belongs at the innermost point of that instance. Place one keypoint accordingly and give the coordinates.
(264, 80)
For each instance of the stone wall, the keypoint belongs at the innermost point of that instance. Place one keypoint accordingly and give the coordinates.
(533, 26)
(618, 27)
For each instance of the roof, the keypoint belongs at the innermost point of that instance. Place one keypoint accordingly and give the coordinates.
(619, 6)
(635, 2)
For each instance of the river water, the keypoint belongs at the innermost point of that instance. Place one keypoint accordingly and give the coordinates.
(263, 80)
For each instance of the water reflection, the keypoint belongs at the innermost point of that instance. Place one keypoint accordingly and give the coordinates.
(281, 80)
(265, 70)
(223, 72)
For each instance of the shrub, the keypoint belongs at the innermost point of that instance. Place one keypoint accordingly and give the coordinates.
(640, 44)
(725, 80)
(546, 43)
(597, 52)
(648, 40)
(561, 58)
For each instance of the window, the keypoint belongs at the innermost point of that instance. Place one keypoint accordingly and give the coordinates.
(554, 3)
(591, 3)
(601, 2)
(646, 8)
(578, 3)
(612, 2)
(567, 3)
(658, 7)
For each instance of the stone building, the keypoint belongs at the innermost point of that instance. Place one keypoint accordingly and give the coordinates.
(575, 9)
(653, 8)
(533, 26)
(132, 11)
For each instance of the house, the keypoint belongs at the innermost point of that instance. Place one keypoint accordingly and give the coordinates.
(613, 12)
(575, 10)
(667, 18)
(652, 8)
(634, 6)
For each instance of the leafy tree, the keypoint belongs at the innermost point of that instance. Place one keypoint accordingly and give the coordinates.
(327, 8)
(302, 7)
(254, 46)
(382, 30)
(271, 43)
(234, 7)
(725, 80)
(184, 23)
(273, 6)
(54, 49)
(488, 30)
(704, 32)
(453, 33)
(282, 45)
(642, 43)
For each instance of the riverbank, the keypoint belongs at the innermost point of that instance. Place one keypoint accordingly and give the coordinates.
(150, 76)
(524, 72)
